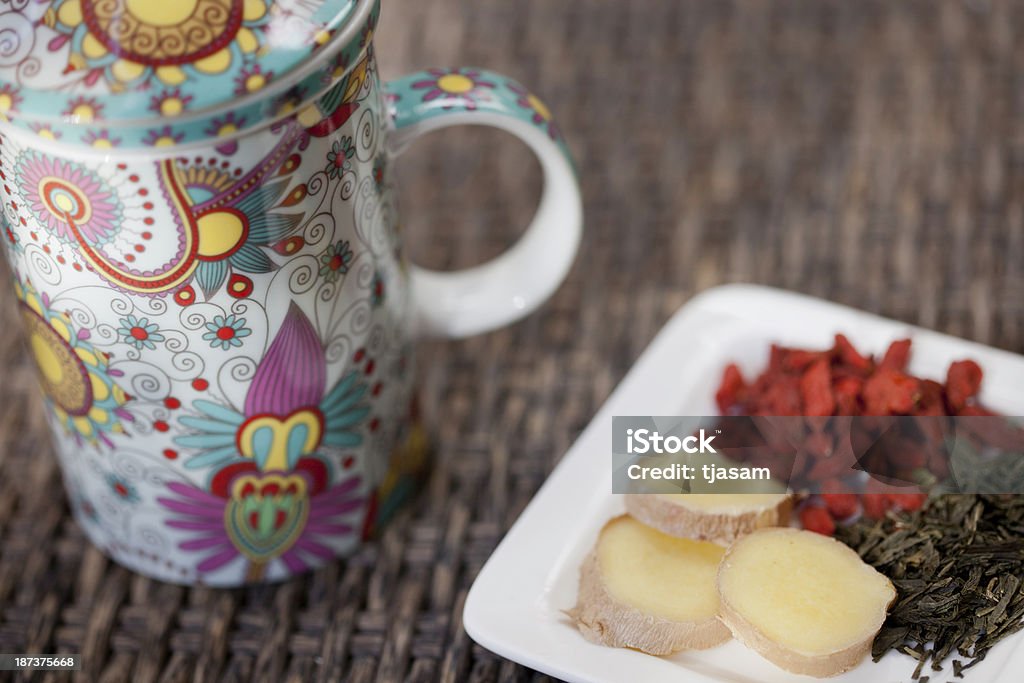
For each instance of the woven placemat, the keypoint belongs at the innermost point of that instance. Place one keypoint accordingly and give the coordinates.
(868, 152)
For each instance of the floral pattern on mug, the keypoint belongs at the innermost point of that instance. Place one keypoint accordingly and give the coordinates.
(226, 327)
(140, 333)
(454, 87)
(69, 201)
(540, 115)
(225, 332)
(289, 413)
(294, 518)
(335, 260)
(340, 156)
(81, 388)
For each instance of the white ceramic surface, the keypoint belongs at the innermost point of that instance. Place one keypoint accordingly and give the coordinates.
(515, 606)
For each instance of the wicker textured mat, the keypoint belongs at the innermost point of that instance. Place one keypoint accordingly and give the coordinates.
(869, 152)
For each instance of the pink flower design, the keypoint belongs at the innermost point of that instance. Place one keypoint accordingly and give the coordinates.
(101, 139)
(454, 87)
(163, 137)
(169, 102)
(10, 98)
(226, 126)
(540, 114)
(65, 197)
(293, 517)
(83, 109)
(252, 79)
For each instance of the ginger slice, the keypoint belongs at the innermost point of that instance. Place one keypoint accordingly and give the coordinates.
(718, 517)
(804, 601)
(642, 589)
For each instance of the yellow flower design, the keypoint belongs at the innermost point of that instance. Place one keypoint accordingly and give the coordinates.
(129, 41)
(76, 378)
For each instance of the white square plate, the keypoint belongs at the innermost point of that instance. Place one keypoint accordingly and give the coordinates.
(515, 605)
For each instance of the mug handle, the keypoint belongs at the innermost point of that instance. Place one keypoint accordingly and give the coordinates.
(503, 290)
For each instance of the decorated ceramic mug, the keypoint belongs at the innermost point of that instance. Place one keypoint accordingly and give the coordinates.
(209, 269)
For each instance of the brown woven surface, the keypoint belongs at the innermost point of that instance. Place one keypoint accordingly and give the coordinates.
(868, 152)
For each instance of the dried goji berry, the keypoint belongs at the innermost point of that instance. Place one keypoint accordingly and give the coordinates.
(875, 505)
(889, 392)
(730, 388)
(839, 499)
(826, 468)
(816, 389)
(798, 360)
(845, 352)
(782, 397)
(818, 520)
(896, 355)
(819, 444)
(841, 505)
(931, 401)
(847, 395)
(907, 501)
(963, 381)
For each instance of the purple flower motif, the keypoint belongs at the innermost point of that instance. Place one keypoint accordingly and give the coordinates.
(289, 410)
(226, 126)
(455, 87)
(101, 140)
(44, 130)
(83, 109)
(292, 518)
(169, 102)
(10, 98)
(540, 114)
(163, 137)
(251, 79)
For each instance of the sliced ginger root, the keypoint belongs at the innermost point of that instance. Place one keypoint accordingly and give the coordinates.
(804, 601)
(642, 589)
(717, 517)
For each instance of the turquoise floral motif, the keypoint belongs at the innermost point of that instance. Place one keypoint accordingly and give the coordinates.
(377, 290)
(139, 332)
(379, 171)
(335, 260)
(225, 332)
(339, 159)
(436, 92)
(122, 488)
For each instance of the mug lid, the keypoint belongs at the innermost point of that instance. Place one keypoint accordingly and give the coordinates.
(134, 72)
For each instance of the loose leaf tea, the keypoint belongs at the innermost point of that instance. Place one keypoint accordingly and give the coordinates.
(958, 567)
